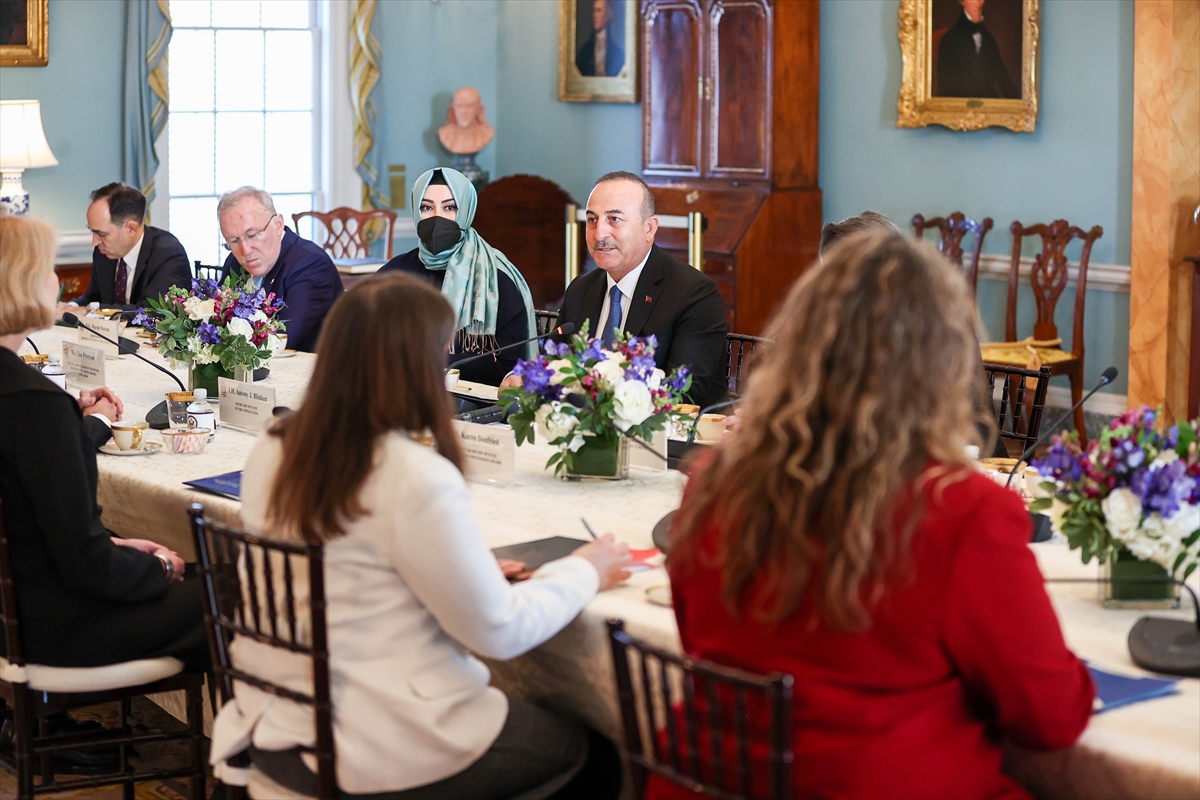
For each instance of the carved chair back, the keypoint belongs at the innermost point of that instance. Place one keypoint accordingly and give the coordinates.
(740, 356)
(1049, 277)
(692, 722)
(953, 228)
(248, 587)
(204, 272)
(349, 233)
(1015, 394)
(546, 321)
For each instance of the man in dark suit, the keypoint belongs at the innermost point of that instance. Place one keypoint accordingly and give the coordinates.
(602, 55)
(641, 290)
(294, 269)
(132, 262)
(969, 62)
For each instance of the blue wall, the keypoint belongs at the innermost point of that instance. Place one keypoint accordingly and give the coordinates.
(1077, 165)
(80, 92)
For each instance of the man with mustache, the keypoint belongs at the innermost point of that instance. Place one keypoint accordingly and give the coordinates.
(641, 290)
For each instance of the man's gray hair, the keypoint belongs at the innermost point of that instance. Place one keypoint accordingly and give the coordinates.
(647, 197)
(235, 196)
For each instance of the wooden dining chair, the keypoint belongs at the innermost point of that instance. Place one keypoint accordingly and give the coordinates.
(242, 576)
(203, 272)
(740, 354)
(546, 321)
(1021, 405)
(32, 690)
(347, 233)
(1048, 277)
(953, 228)
(695, 723)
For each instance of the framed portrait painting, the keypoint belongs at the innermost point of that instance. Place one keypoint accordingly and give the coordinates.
(597, 51)
(969, 64)
(24, 25)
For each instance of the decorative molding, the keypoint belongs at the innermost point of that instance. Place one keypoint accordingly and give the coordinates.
(74, 247)
(1108, 277)
(1102, 402)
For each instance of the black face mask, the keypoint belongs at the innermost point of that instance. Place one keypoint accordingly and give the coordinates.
(438, 234)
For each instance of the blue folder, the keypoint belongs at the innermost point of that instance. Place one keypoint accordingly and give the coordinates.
(227, 485)
(1114, 691)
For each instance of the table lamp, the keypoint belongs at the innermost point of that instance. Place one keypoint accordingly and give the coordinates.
(22, 146)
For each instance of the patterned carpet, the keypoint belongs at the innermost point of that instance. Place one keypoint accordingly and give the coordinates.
(164, 755)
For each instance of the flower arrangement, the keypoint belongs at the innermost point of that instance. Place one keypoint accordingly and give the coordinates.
(214, 328)
(1135, 487)
(579, 395)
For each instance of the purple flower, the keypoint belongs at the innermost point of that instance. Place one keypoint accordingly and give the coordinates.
(592, 352)
(556, 350)
(1060, 463)
(209, 334)
(641, 367)
(248, 303)
(1164, 489)
(144, 318)
(535, 377)
(204, 288)
(678, 380)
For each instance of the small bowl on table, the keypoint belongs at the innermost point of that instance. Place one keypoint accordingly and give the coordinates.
(185, 441)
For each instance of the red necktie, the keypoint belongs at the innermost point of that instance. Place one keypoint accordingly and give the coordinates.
(119, 283)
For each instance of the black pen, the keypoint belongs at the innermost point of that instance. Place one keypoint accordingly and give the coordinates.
(591, 532)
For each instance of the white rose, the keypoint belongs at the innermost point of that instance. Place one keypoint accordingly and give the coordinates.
(274, 344)
(240, 327)
(576, 442)
(1055, 512)
(656, 379)
(258, 316)
(556, 377)
(632, 404)
(1182, 524)
(201, 353)
(1122, 513)
(199, 310)
(1164, 458)
(609, 372)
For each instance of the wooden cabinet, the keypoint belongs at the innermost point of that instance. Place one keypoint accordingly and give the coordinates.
(729, 117)
(73, 278)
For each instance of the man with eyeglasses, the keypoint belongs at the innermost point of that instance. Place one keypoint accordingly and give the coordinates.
(132, 261)
(278, 261)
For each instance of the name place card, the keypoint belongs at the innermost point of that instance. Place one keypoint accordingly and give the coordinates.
(245, 406)
(109, 327)
(490, 451)
(641, 457)
(83, 365)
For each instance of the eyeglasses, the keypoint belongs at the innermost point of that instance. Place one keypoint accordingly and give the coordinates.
(102, 235)
(253, 238)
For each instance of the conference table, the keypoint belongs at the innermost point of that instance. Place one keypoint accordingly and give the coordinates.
(1145, 750)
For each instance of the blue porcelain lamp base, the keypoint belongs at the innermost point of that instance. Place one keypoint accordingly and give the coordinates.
(13, 197)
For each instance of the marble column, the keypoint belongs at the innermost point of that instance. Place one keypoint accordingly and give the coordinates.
(1166, 191)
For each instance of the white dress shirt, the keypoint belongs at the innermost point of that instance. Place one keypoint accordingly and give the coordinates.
(627, 285)
(412, 590)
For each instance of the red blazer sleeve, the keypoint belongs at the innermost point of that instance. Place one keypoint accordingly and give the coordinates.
(1003, 634)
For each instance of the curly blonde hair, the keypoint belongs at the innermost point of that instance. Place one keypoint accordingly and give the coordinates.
(872, 378)
(26, 256)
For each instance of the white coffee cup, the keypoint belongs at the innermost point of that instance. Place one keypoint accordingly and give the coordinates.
(710, 427)
(452, 376)
(128, 435)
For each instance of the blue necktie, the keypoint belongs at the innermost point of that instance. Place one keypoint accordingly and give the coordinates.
(609, 338)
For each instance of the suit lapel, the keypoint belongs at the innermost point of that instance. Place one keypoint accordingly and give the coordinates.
(649, 287)
(106, 273)
(593, 300)
(140, 269)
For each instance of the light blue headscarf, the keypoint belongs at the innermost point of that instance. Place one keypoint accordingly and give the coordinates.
(471, 285)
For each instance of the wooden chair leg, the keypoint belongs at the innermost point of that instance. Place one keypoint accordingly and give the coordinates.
(47, 760)
(1076, 396)
(195, 713)
(126, 712)
(23, 726)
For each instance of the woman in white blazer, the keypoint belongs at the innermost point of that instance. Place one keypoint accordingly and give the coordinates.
(412, 589)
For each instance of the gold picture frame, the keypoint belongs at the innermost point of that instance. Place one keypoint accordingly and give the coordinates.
(618, 78)
(926, 24)
(33, 50)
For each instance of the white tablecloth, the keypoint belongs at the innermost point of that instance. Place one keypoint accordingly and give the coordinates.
(1150, 749)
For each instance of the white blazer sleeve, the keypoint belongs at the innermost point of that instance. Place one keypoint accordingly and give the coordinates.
(440, 553)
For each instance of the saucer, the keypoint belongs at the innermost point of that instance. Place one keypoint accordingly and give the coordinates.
(147, 449)
(659, 595)
(284, 354)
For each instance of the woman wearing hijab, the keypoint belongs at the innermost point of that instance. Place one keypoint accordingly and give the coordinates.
(489, 296)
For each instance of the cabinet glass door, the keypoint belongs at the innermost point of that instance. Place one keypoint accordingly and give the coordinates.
(672, 87)
(739, 86)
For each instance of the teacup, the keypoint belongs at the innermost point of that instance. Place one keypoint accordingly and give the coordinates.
(128, 435)
(710, 427)
(452, 376)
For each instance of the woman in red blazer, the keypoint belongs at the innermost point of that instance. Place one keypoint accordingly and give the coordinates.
(842, 536)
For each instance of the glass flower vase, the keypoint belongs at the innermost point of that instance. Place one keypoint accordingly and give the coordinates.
(1132, 583)
(601, 458)
(204, 376)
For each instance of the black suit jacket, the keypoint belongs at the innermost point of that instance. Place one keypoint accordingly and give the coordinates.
(964, 73)
(679, 305)
(162, 263)
(67, 570)
(614, 58)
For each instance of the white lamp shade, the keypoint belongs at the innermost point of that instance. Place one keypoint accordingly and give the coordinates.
(22, 141)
